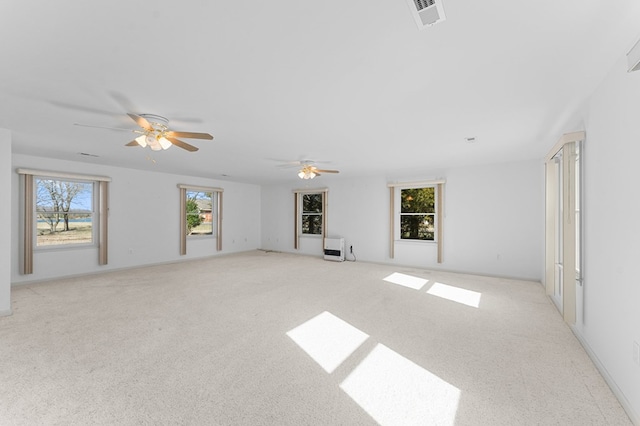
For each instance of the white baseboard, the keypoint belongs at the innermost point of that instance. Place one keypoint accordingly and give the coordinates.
(107, 268)
(635, 418)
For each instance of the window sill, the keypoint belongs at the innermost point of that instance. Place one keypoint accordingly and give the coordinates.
(57, 247)
(413, 242)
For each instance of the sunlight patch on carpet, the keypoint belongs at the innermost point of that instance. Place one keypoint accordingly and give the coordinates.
(456, 294)
(406, 280)
(396, 391)
(328, 339)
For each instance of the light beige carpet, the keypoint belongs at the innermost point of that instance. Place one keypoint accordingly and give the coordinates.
(277, 339)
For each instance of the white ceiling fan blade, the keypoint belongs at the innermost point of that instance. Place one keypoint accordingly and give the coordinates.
(141, 121)
(189, 135)
(105, 127)
(181, 144)
(84, 108)
(122, 101)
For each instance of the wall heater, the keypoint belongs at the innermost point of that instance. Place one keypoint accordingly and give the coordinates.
(334, 249)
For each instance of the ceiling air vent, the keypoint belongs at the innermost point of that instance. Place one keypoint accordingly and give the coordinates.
(633, 57)
(427, 12)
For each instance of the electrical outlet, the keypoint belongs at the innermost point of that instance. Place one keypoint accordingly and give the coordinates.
(636, 353)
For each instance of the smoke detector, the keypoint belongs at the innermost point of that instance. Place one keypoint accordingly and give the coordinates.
(427, 12)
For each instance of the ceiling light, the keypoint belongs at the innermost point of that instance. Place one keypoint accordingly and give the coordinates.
(153, 143)
(142, 140)
(164, 142)
(307, 172)
(156, 142)
(154, 135)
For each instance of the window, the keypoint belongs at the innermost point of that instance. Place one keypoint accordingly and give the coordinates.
(199, 213)
(417, 214)
(311, 219)
(64, 212)
(310, 213)
(563, 227)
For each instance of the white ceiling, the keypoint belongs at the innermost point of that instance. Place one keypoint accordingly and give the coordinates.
(352, 82)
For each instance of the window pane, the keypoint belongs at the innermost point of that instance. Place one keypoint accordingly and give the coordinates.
(64, 212)
(312, 203)
(417, 227)
(199, 206)
(312, 224)
(64, 228)
(418, 200)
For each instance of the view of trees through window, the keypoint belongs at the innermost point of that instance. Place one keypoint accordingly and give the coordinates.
(312, 214)
(417, 214)
(199, 207)
(64, 212)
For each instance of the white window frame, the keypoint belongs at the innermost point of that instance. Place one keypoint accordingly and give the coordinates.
(398, 202)
(216, 195)
(303, 213)
(94, 216)
(395, 189)
(214, 215)
(564, 193)
(298, 193)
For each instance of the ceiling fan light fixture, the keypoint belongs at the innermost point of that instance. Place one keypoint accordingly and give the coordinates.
(164, 142)
(154, 133)
(142, 140)
(307, 172)
(153, 143)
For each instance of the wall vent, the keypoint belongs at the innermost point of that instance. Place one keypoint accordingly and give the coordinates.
(633, 57)
(423, 4)
(426, 12)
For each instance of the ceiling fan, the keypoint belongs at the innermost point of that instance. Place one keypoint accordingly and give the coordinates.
(155, 133)
(309, 172)
(307, 169)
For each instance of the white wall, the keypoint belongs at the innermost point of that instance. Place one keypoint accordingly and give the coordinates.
(5, 218)
(611, 314)
(143, 221)
(493, 220)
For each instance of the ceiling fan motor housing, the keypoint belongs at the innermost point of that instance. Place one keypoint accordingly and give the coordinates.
(157, 121)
